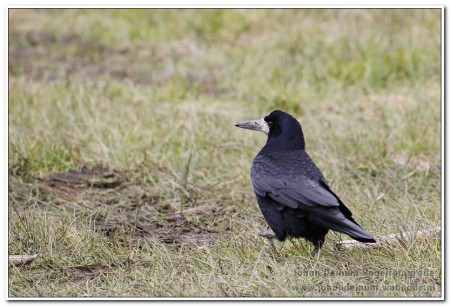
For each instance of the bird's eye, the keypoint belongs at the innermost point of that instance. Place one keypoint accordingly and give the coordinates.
(269, 123)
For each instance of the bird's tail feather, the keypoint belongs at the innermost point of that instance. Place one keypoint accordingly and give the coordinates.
(351, 229)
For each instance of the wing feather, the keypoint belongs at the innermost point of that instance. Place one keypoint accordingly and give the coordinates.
(294, 184)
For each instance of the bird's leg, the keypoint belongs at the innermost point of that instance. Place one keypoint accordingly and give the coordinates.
(270, 236)
(317, 245)
(314, 251)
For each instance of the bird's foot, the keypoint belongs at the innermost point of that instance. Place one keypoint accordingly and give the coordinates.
(270, 235)
(317, 246)
(314, 252)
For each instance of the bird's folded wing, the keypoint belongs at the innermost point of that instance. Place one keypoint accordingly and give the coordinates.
(290, 186)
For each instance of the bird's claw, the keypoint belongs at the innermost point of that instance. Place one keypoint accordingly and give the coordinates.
(314, 251)
(269, 235)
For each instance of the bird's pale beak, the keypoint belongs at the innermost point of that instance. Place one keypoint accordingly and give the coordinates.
(257, 125)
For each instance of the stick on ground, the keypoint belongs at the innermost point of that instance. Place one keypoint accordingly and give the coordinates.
(386, 240)
(20, 260)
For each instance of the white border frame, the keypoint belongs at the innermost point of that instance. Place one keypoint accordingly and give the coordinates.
(230, 4)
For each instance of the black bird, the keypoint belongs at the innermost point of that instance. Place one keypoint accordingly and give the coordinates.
(292, 193)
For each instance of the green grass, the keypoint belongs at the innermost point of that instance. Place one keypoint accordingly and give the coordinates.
(148, 99)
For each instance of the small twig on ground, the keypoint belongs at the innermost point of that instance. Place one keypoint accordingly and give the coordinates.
(198, 210)
(386, 240)
(20, 260)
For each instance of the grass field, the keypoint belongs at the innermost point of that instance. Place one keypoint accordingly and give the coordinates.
(128, 177)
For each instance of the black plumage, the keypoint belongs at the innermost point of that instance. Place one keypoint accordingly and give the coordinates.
(292, 193)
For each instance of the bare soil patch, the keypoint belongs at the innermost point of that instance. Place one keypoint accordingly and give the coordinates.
(121, 206)
(139, 63)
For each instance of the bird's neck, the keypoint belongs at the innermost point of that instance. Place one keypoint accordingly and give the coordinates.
(283, 143)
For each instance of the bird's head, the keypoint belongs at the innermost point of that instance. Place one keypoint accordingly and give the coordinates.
(284, 131)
